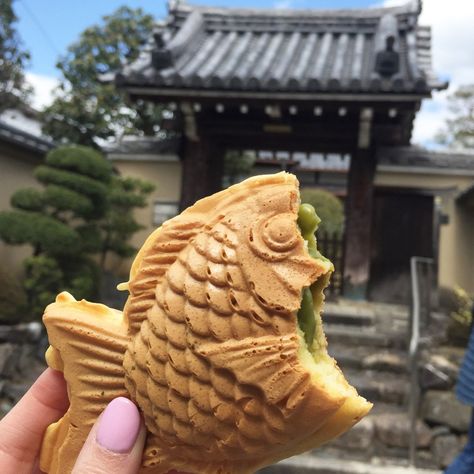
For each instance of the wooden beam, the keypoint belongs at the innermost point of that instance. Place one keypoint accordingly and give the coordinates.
(273, 111)
(164, 94)
(190, 128)
(318, 111)
(392, 112)
(321, 130)
(365, 125)
(359, 224)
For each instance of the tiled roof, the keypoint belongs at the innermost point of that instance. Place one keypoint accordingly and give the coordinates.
(418, 157)
(136, 146)
(23, 131)
(288, 50)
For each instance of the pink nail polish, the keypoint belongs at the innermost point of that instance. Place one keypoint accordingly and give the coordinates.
(119, 426)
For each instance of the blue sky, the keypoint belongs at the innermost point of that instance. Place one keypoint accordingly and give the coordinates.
(47, 27)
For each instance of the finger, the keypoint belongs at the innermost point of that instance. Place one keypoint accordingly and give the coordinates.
(115, 443)
(23, 427)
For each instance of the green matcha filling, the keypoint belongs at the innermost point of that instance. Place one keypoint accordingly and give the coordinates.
(308, 222)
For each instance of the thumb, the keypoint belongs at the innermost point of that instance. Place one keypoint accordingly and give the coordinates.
(115, 443)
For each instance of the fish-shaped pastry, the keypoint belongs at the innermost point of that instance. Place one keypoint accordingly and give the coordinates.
(220, 343)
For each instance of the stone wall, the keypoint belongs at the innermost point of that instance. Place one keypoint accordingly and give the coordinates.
(22, 348)
(447, 418)
(442, 427)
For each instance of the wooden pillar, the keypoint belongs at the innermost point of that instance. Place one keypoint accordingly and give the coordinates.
(359, 213)
(202, 160)
(359, 224)
(202, 169)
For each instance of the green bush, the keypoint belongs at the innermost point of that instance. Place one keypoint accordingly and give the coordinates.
(64, 199)
(46, 234)
(44, 280)
(13, 304)
(329, 209)
(81, 160)
(83, 211)
(28, 199)
(82, 278)
(457, 304)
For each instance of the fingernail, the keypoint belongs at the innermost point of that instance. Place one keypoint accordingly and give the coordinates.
(119, 426)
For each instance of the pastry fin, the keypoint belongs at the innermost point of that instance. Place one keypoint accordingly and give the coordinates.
(157, 254)
(88, 342)
(265, 362)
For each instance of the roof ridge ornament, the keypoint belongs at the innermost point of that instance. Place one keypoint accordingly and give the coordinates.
(161, 56)
(209, 50)
(387, 59)
(419, 6)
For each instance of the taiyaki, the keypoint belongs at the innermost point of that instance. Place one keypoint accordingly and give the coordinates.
(212, 344)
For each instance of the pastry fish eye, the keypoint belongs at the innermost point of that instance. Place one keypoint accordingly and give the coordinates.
(279, 233)
(274, 237)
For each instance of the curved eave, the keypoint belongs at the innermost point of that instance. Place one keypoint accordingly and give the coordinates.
(24, 140)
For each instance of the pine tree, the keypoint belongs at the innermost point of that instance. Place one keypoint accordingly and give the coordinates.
(51, 220)
(84, 210)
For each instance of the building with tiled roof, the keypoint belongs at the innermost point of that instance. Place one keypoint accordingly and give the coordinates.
(330, 95)
(291, 51)
(22, 148)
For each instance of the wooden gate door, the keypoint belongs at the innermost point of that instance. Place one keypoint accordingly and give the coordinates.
(402, 227)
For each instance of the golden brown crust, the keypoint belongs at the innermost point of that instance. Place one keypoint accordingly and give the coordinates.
(219, 349)
(208, 345)
(87, 343)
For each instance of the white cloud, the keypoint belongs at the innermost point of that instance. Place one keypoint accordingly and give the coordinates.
(282, 4)
(453, 53)
(43, 89)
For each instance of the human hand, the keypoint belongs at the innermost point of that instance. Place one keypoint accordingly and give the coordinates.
(22, 429)
(115, 443)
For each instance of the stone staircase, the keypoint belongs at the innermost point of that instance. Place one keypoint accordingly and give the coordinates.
(369, 342)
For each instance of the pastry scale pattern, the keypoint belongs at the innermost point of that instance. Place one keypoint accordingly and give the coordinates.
(207, 345)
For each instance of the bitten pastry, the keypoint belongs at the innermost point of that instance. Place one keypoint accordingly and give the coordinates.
(220, 343)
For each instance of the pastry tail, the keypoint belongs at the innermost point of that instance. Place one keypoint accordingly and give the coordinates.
(87, 343)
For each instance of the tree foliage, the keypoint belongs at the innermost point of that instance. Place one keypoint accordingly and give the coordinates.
(13, 59)
(119, 224)
(84, 210)
(86, 108)
(459, 129)
(328, 207)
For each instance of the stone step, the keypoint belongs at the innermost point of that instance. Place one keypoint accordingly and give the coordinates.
(382, 434)
(307, 464)
(369, 358)
(356, 336)
(377, 451)
(383, 408)
(380, 386)
(349, 315)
